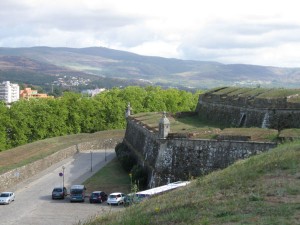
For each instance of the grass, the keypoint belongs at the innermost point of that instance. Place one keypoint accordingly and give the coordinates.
(22, 155)
(111, 178)
(292, 95)
(204, 129)
(263, 189)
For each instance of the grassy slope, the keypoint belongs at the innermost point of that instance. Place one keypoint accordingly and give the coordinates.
(28, 153)
(111, 178)
(263, 189)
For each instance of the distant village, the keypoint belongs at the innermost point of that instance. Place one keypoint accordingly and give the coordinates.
(70, 81)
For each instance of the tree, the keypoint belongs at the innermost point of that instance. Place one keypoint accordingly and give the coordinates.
(4, 122)
(21, 121)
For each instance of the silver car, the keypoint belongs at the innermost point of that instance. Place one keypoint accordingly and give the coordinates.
(6, 197)
(59, 193)
(116, 198)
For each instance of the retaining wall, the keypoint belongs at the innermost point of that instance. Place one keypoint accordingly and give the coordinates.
(15, 176)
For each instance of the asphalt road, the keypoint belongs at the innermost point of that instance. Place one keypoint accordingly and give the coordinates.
(34, 206)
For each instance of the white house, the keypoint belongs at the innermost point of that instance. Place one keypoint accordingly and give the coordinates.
(9, 92)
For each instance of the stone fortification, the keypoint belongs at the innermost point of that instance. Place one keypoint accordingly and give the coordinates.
(251, 107)
(172, 159)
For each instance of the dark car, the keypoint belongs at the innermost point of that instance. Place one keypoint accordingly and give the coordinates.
(59, 193)
(134, 198)
(98, 197)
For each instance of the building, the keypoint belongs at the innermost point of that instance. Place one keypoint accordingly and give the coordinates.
(28, 93)
(9, 92)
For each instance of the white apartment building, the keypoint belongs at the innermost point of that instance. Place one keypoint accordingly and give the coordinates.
(9, 92)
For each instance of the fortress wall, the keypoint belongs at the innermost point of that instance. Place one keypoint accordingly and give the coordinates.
(231, 115)
(180, 159)
(251, 101)
(142, 142)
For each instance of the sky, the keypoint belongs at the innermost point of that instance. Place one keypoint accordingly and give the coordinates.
(259, 32)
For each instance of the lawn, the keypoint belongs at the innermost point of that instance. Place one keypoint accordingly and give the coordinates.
(199, 129)
(111, 178)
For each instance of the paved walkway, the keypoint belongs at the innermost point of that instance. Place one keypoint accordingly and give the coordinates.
(33, 204)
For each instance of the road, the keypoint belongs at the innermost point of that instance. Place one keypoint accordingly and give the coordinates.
(33, 204)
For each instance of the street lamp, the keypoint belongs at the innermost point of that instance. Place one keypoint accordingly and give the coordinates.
(63, 175)
(91, 161)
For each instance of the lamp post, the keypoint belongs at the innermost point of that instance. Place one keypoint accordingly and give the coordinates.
(63, 175)
(91, 161)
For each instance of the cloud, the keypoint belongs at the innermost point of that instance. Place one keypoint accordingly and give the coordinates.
(232, 31)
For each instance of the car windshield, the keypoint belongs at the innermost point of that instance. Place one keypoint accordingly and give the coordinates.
(95, 194)
(57, 190)
(4, 195)
(76, 191)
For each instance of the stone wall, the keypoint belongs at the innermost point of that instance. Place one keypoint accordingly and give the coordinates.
(13, 177)
(230, 115)
(180, 159)
(249, 111)
(20, 174)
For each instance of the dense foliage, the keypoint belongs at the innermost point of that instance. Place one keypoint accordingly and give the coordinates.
(36, 119)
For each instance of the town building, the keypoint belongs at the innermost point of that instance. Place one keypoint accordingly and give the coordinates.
(28, 93)
(9, 92)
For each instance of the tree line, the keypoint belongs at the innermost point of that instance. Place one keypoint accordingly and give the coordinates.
(36, 119)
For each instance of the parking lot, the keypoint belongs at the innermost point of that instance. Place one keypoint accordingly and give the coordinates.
(34, 204)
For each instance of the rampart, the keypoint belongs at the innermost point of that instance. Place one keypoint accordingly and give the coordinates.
(173, 159)
(256, 107)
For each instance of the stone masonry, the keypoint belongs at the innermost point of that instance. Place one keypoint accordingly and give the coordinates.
(173, 159)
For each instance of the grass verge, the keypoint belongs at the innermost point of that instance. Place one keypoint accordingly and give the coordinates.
(111, 178)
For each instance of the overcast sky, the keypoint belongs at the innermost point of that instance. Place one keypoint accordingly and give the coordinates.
(261, 32)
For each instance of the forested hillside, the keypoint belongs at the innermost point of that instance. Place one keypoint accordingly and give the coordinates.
(36, 119)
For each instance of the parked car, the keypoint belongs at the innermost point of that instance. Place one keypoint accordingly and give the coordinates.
(77, 193)
(59, 193)
(134, 198)
(98, 197)
(6, 197)
(116, 198)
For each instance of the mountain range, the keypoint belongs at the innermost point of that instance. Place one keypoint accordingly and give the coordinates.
(42, 65)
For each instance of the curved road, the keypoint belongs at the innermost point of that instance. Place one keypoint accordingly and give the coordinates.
(33, 204)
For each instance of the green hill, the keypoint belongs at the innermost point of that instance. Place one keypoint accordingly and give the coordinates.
(264, 189)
